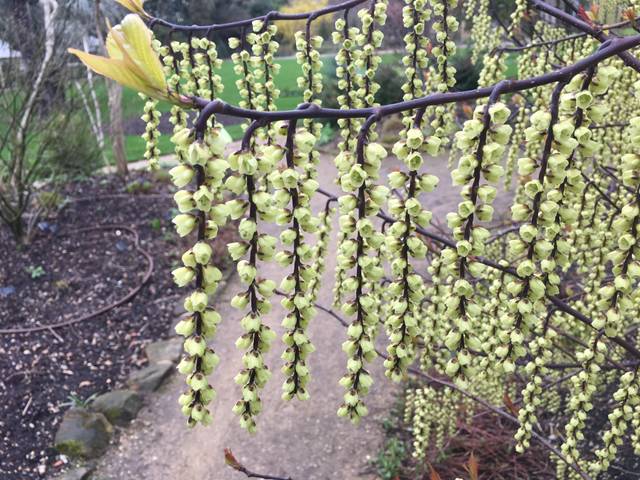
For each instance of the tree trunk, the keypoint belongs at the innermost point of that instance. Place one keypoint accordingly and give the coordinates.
(114, 91)
(114, 94)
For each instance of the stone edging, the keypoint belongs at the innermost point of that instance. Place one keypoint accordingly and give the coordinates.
(86, 432)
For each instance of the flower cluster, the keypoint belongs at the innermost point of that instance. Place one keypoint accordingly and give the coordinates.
(369, 40)
(308, 57)
(415, 14)
(482, 31)
(628, 399)
(344, 35)
(321, 249)
(346, 57)
(357, 53)
(292, 197)
(517, 16)
(538, 211)
(482, 142)
(433, 311)
(445, 25)
(151, 135)
(579, 404)
(615, 299)
(363, 199)
(433, 415)
(532, 393)
(403, 245)
(310, 82)
(251, 165)
(443, 76)
(205, 167)
(264, 49)
(205, 63)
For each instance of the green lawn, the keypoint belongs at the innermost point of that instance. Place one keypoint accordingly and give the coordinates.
(289, 98)
(132, 104)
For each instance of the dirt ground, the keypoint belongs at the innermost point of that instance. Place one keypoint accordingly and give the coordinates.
(74, 266)
(304, 440)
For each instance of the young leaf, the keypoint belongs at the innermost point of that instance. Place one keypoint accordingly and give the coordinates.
(231, 460)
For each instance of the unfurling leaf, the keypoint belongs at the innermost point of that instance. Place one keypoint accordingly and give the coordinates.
(135, 6)
(586, 16)
(132, 61)
(231, 460)
(629, 14)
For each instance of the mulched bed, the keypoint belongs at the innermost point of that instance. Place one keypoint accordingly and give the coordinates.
(64, 274)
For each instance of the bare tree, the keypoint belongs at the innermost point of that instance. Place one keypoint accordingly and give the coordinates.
(36, 107)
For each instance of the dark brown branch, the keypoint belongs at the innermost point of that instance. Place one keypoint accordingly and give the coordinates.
(556, 41)
(268, 17)
(597, 33)
(608, 49)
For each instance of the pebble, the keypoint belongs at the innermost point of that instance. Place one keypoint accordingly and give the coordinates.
(7, 291)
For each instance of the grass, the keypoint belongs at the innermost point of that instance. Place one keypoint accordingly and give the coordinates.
(132, 104)
(290, 97)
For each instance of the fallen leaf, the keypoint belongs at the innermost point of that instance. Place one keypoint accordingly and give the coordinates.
(510, 405)
(433, 475)
(472, 467)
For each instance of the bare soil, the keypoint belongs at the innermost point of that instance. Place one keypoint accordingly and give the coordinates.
(65, 273)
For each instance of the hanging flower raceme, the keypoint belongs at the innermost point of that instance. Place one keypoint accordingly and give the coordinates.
(321, 249)
(151, 133)
(403, 245)
(203, 168)
(627, 399)
(132, 61)
(346, 58)
(250, 166)
(362, 200)
(482, 142)
(310, 82)
(292, 199)
(442, 77)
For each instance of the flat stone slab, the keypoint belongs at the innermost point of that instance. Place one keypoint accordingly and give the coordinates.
(78, 473)
(119, 406)
(165, 350)
(150, 378)
(83, 434)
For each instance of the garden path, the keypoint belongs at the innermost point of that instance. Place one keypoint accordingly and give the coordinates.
(304, 440)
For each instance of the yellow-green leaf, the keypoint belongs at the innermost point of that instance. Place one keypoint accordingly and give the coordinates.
(138, 37)
(114, 69)
(135, 6)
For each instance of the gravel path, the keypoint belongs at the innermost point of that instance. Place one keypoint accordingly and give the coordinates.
(305, 440)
